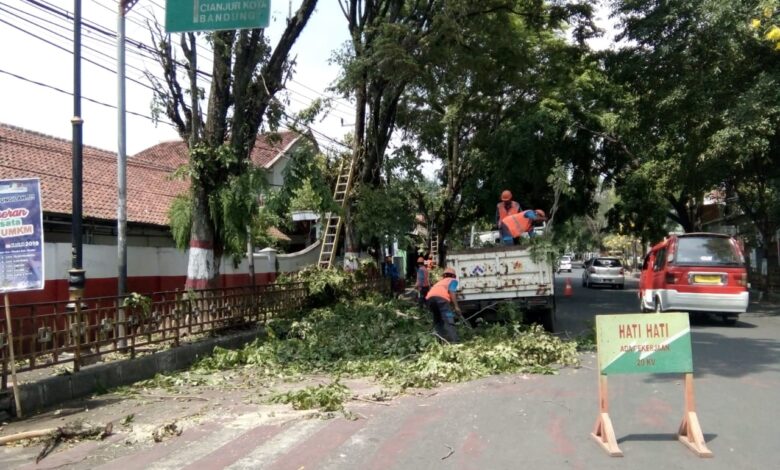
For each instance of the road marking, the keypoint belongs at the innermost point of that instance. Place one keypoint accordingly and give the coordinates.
(278, 445)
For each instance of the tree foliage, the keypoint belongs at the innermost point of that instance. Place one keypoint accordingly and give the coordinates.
(706, 105)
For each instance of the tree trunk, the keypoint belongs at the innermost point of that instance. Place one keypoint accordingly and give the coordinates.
(202, 267)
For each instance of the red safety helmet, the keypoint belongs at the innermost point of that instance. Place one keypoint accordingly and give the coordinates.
(420, 260)
(450, 271)
(506, 195)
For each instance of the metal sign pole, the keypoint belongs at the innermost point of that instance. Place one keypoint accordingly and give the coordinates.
(11, 354)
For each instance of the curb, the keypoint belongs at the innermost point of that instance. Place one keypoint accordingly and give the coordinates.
(35, 396)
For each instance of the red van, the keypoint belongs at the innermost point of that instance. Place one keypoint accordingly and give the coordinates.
(695, 272)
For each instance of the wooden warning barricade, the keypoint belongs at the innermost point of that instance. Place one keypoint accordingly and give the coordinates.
(641, 343)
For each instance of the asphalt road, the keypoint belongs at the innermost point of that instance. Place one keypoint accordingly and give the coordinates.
(504, 422)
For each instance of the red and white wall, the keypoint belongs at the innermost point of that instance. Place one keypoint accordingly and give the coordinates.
(149, 269)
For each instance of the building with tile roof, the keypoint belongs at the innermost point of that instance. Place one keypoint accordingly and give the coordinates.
(150, 191)
(150, 186)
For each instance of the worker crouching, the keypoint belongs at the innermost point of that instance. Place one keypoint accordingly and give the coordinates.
(512, 227)
(442, 301)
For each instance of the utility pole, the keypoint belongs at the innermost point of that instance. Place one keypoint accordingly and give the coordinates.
(76, 275)
(121, 162)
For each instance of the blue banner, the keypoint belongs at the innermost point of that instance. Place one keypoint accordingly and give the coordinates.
(21, 235)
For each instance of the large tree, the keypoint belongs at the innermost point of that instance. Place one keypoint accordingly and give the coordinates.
(247, 74)
(706, 105)
(501, 90)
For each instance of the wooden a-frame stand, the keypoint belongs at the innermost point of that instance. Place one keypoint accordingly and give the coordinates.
(603, 432)
(690, 432)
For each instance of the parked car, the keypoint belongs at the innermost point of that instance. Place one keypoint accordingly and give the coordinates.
(564, 264)
(696, 272)
(605, 271)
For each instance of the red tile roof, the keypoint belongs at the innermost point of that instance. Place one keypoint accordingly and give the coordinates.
(150, 189)
(173, 154)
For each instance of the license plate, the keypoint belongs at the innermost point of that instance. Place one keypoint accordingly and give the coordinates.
(607, 280)
(707, 279)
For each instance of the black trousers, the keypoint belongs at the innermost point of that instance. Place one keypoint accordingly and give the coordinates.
(443, 319)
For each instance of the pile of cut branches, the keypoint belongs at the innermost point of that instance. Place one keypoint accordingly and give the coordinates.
(392, 342)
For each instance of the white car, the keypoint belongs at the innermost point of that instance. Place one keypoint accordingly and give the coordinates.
(564, 264)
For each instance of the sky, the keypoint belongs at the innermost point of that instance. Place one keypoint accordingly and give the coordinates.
(41, 35)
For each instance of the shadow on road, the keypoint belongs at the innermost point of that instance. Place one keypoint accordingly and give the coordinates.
(717, 354)
(661, 437)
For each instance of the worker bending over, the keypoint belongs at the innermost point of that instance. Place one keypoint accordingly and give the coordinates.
(442, 300)
(512, 227)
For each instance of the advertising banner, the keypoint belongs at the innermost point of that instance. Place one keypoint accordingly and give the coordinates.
(21, 235)
(644, 343)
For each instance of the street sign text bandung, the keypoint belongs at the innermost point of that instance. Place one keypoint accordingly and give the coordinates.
(644, 343)
(214, 15)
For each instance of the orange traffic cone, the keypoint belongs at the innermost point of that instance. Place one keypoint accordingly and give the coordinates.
(568, 291)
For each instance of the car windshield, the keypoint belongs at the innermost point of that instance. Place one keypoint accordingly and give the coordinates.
(707, 251)
(565, 259)
(606, 263)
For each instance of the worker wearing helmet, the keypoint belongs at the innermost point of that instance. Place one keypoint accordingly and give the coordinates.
(442, 300)
(514, 226)
(423, 280)
(506, 207)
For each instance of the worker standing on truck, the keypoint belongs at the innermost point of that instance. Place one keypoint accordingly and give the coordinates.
(512, 227)
(506, 207)
(440, 297)
(423, 280)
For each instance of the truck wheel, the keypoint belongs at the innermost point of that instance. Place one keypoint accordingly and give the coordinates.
(548, 320)
(729, 321)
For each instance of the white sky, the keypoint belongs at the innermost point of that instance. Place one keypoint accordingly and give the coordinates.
(47, 111)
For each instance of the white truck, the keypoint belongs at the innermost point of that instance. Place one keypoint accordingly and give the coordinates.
(493, 275)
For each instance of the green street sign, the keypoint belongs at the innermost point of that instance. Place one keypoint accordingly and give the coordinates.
(215, 15)
(644, 343)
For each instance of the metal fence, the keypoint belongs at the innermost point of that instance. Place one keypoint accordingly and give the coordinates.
(50, 333)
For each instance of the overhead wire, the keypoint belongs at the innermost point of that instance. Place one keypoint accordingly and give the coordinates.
(147, 52)
(86, 98)
(59, 35)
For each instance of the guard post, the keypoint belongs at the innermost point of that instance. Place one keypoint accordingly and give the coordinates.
(649, 344)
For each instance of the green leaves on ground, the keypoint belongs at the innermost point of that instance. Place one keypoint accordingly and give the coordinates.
(380, 340)
(329, 397)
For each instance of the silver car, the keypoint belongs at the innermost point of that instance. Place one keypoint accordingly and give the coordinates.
(604, 271)
(564, 264)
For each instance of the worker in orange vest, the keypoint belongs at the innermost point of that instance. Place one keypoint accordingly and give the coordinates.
(442, 300)
(506, 207)
(423, 280)
(512, 227)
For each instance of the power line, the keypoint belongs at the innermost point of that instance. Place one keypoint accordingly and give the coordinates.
(65, 92)
(99, 65)
(43, 4)
(67, 38)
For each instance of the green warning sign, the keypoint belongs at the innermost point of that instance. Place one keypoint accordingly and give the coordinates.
(644, 343)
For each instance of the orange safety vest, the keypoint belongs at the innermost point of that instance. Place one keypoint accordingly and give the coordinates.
(441, 289)
(514, 208)
(426, 280)
(517, 224)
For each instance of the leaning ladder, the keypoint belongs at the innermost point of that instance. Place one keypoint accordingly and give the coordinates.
(434, 246)
(333, 221)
